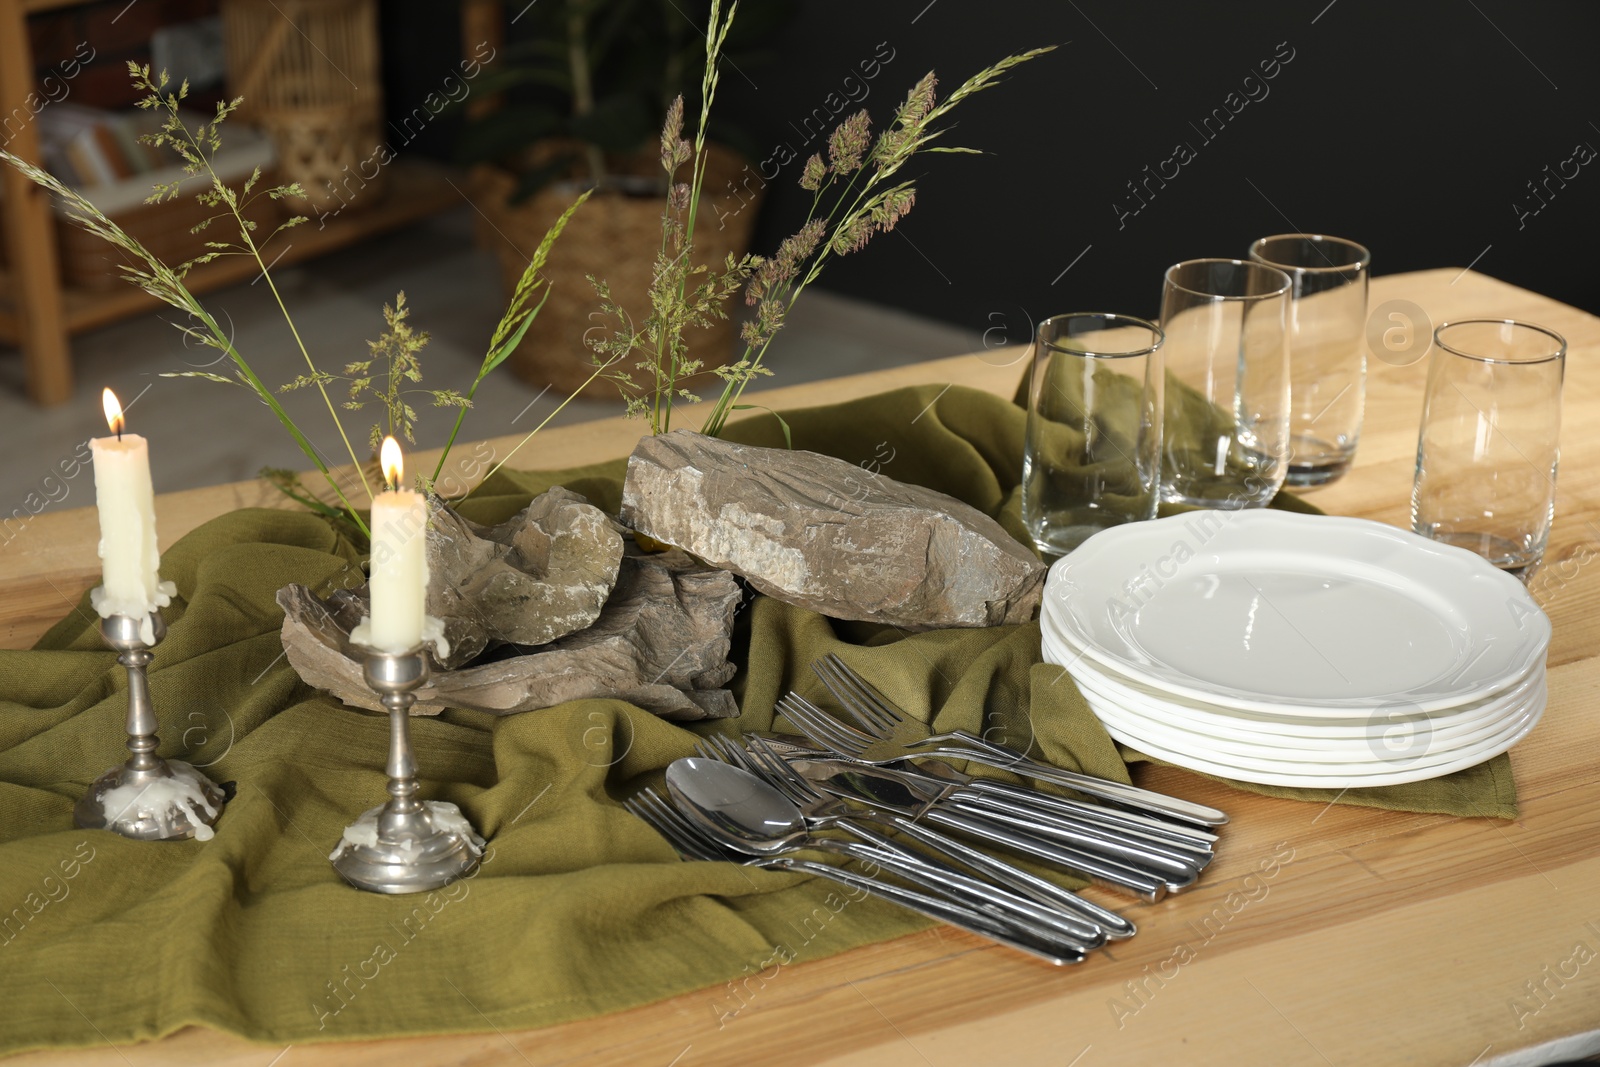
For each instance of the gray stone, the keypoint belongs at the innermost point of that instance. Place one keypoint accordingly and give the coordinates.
(541, 575)
(824, 534)
(660, 642)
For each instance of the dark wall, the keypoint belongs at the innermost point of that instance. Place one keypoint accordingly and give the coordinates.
(1414, 127)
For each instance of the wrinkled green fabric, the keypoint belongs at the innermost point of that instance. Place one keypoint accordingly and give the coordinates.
(579, 909)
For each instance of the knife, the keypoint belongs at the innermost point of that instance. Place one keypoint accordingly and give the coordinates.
(887, 793)
(935, 781)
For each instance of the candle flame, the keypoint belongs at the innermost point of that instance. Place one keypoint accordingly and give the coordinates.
(114, 417)
(393, 465)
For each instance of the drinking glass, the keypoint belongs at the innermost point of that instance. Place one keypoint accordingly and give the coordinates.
(1327, 356)
(1093, 448)
(1225, 437)
(1489, 445)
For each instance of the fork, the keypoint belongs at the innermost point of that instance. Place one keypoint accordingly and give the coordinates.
(824, 812)
(1104, 870)
(939, 782)
(892, 735)
(766, 761)
(1171, 864)
(691, 841)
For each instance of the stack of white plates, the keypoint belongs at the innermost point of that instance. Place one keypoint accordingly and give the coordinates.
(1297, 650)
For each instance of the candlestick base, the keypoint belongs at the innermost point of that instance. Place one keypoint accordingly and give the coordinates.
(407, 845)
(172, 802)
(415, 852)
(147, 798)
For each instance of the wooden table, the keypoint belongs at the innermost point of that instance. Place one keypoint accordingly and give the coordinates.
(1377, 938)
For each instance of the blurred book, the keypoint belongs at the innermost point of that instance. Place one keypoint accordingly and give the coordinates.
(99, 154)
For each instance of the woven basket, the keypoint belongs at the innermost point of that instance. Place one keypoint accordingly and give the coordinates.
(88, 262)
(309, 74)
(615, 238)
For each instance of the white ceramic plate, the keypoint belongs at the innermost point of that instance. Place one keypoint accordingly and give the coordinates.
(1262, 609)
(1394, 738)
(1400, 743)
(1381, 774)
(1289, 729)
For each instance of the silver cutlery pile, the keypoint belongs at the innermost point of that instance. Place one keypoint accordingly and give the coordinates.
(762, 803)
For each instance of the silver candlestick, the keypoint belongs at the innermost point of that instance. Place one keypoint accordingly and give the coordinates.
(147, 798)
(407, 845)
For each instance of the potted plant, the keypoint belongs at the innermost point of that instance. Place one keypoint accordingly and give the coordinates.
(584, 87)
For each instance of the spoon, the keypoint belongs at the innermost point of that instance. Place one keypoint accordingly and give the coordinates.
(751, 816)
(695, 840)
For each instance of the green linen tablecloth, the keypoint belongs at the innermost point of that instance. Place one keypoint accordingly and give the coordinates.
(579, 909)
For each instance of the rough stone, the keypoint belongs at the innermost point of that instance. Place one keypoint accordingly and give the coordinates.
(539, 576)
(661, 642)
(824, 534)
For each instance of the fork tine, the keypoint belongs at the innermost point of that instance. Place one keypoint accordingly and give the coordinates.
(705, 747)
(763, 754)
(866, 691)
(820, 727)
(666, 821)
(837, 678)
(856, 709)
(729, 751)
(777, 774)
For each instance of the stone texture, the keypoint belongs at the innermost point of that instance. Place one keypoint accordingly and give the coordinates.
(542, 574)
(660, 642)
(823, 534)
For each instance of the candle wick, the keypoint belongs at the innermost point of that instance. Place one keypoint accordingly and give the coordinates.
(119, 435)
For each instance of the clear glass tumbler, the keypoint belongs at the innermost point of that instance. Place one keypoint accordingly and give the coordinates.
(1489, 445)
(1093, 449)
(1225, 436)
(1327, 353)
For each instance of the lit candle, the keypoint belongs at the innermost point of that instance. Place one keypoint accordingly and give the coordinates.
(128, 551)
(399, 581)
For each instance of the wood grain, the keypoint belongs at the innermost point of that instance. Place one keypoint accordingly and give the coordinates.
(1368, 937)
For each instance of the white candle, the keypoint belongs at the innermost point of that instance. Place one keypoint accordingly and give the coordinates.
(399, 581)
(128, 551)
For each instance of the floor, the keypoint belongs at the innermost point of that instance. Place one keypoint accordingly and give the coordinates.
(204, 433)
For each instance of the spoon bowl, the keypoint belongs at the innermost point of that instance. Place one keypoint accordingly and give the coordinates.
(750, 814)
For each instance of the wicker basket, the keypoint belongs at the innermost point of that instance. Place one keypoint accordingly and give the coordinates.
(615, 238)
(88, 262)
(308, 72)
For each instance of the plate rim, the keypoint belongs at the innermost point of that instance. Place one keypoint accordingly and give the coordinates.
(1054, 614)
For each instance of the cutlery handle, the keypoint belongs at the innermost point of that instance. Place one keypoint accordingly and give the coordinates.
(933, 908)
(1116, 792)
(1115, 842)
(1098, 868)
(1188, 838)
(1025, 882)
(1176, 870)
(1023, 917)
(987, 896)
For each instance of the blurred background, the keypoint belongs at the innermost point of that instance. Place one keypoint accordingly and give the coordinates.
(436, 141)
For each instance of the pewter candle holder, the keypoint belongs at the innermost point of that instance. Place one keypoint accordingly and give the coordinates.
(407, 845)
(147, 798)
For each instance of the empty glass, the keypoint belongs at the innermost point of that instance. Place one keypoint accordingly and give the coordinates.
(1489, 445)
(1093, 446)
(1225, 437)
(1327, 358)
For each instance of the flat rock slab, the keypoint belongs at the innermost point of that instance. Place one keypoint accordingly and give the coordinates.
(823, 534)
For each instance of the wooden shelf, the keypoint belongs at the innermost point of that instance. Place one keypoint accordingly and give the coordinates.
(416, 190)
(38, 315)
